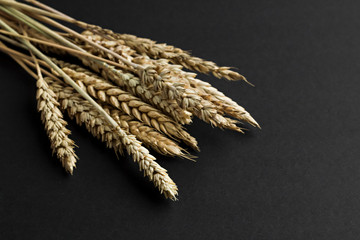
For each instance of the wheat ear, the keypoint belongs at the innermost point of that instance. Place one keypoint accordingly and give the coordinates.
(174, 54)
(86, 114)
(224, 103)
(149, 136)
(177, 56)
(207, 92)
(55, 126)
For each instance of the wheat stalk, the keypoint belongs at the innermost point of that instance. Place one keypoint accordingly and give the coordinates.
(118, 139)
(142, 93)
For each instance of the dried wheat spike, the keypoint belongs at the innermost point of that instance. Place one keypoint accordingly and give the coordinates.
(149, 136)
(55, 126)
(207, 112)
(224, 103)
(174, 54)
(177, 56)
(84, 113)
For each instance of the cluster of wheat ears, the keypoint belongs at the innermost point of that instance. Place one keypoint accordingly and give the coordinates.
(131, 93)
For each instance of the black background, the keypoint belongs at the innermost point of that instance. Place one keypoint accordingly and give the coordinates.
(297, 178)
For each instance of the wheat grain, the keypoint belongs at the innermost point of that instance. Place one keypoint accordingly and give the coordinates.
(118, 139)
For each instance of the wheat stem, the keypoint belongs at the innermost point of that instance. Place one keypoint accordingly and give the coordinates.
(50, 9)
(58, 46)
(29, 8)
(62, 27)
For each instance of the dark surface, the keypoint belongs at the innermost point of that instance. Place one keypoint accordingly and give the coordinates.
(297, 178)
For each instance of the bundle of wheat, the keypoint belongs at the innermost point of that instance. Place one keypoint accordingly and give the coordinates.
(128, 91)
